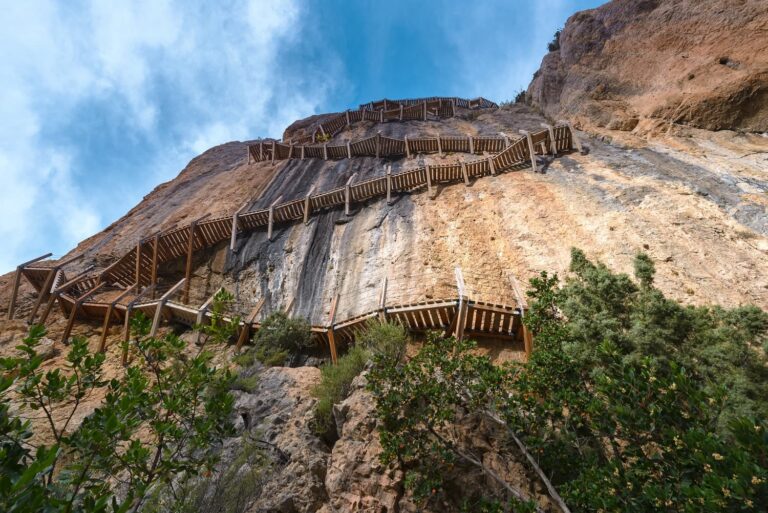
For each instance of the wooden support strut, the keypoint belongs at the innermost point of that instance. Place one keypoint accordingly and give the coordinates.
(461, 311)
(308, 205)
(108, 316)
(383, 301)
(75, 308)
(389, 184)
(17, 282)
(58, 290)
(49, 279)
(188, 267)
(552, 142)
(531, 149)
(491, 166)
(161, 304)
(138, 262)
(464, 173)
(348, 194)
(271, 218)
(153, 277)
(331, 335)
(127, 324)
(235, 226)
(247, 325)
(407, 147)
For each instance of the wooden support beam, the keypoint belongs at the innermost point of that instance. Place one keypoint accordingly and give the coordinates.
(471, 144)
(127, 324)
(401, 112)
(17, 282)
(381, 116)
(241, 339)
(383, 301)
(574, 137)
(528, 341)
(461, 312)
(325, 151)
(75, 308)
(261, 151)
(453, 107)
(490, 165)
(331, 335)
(378, 144)
(205, 306)
(348, 194)
(389, 184)
(425, 110)
(248, 155)
(347, 114)
(271, 218)
(349, 150)
(531, 149)
(290, 152)
(274, 151)
(155, 263)
(428, 173)
(302, 151)
(188, 267)
(49, 279)
(138, 263)
(407, 147)
(439, 146)
(58, 290)
(161, 304)
(236, 225)
(108, 316)
(552, 143)
(464, 173)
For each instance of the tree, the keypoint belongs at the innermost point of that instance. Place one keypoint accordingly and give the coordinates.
(161, 419)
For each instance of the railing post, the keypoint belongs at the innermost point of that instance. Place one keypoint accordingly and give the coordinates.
(325, 151)
(471, 145)
(552, 143)
(274, 151)
(425, 111)
(428, 172)
(531, 149)
(464, 172)
(407, 148)
(439, 146)
(389, 184)
(378, 144)
(347, 194)
(349, 150)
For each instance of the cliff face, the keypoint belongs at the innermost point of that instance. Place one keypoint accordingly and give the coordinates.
(645, 63)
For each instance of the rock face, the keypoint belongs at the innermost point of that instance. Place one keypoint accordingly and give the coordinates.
(703, 63)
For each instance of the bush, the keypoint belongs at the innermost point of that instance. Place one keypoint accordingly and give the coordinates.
(334, 387)
(554, 45)
(164, 417)
(245, 383)
(520, 96)
(384, 339)
(281, 338)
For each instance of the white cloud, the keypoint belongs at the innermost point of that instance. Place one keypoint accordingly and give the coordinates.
(172, 77)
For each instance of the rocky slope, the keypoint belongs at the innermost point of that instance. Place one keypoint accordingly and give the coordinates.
(643, 64)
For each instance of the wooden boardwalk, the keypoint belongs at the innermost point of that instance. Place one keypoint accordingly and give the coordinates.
(131, 283)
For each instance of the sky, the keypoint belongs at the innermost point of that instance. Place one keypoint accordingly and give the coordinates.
(102, 101)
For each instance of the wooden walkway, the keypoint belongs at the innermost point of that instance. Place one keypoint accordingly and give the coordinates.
(390, 110)
(131, 283)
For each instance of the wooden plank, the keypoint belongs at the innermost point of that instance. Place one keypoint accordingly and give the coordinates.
(108, 317)
(247, 325)
(464, 173)
(347, 194)
(161, 303)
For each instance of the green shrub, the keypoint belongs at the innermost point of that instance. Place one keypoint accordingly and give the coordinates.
(520, 96)
(245, 383)
(245, 359)
(384, 339)
(281, 338)
(334, 386)
(554, 45)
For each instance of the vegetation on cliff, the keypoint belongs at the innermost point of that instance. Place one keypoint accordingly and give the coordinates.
(162, 420)
(630, 401)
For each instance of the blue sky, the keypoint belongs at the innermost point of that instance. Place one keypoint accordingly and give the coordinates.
(102, 101)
